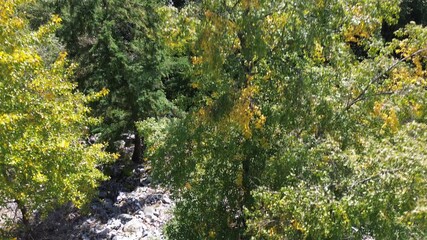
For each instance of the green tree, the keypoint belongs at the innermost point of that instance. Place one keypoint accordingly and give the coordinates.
(118, 46)
(43, 119)
(294, 134)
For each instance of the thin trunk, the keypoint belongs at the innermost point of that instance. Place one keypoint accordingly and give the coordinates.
(137, 152)
(24, 212)
(245, 202)
(247, 198)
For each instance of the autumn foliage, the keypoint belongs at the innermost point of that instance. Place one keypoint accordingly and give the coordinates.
(268, 119)
(43, 121)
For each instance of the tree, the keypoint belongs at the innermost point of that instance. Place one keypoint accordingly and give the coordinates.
(295, 134)
(118, 47)
(43, 120)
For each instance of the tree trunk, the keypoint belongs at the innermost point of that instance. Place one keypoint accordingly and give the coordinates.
(137, 152)
(24, 212)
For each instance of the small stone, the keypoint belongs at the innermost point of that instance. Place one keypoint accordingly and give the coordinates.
(153, 198)
(149, 211)
(166, 200)
(85, 237)
(118, 237)
(133, 226)
(103, 232)
(114, 224)
(125, 217)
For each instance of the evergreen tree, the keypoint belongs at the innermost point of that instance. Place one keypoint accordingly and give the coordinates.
(118, 47)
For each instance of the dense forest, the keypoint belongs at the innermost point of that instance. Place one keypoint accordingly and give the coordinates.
(266, 119)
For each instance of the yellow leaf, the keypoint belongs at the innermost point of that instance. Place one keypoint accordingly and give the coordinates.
(40, 178)
(377, 108)
(64, 144)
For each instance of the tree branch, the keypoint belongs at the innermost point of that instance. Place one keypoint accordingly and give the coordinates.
(354, 184)
(361, 95)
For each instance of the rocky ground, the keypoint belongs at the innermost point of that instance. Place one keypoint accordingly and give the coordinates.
(128, 207)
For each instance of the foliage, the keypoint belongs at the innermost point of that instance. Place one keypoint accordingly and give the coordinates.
(118, 47)
(294, 134)
(378, 192)
(269, 119)
(177, 30)
(43, 119)
(411, 11)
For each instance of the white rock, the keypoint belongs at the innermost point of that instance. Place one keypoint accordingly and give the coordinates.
(134, 226)
(166, 200)
(114, 223)
(118, 237)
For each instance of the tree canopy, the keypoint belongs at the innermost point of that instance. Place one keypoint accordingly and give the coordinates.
(118, 46)
(307, 125)
(43, 121)
(268, 119)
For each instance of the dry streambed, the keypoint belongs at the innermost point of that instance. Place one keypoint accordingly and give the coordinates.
(126, 208)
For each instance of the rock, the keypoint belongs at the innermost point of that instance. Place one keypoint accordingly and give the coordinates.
(149, 211)
(10, 213)
(108, 205)
(153, 198)
(125, 217)
(93, 139)
(119, 145)
(119, 213)
(134, 226)
(103, 232)
(129, 205)
(144, 182)
(166, 200)
(114, 223)
(85, 237)
(118, 237)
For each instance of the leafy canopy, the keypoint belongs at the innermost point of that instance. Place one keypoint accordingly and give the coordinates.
(306, 124)
(43, 119)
